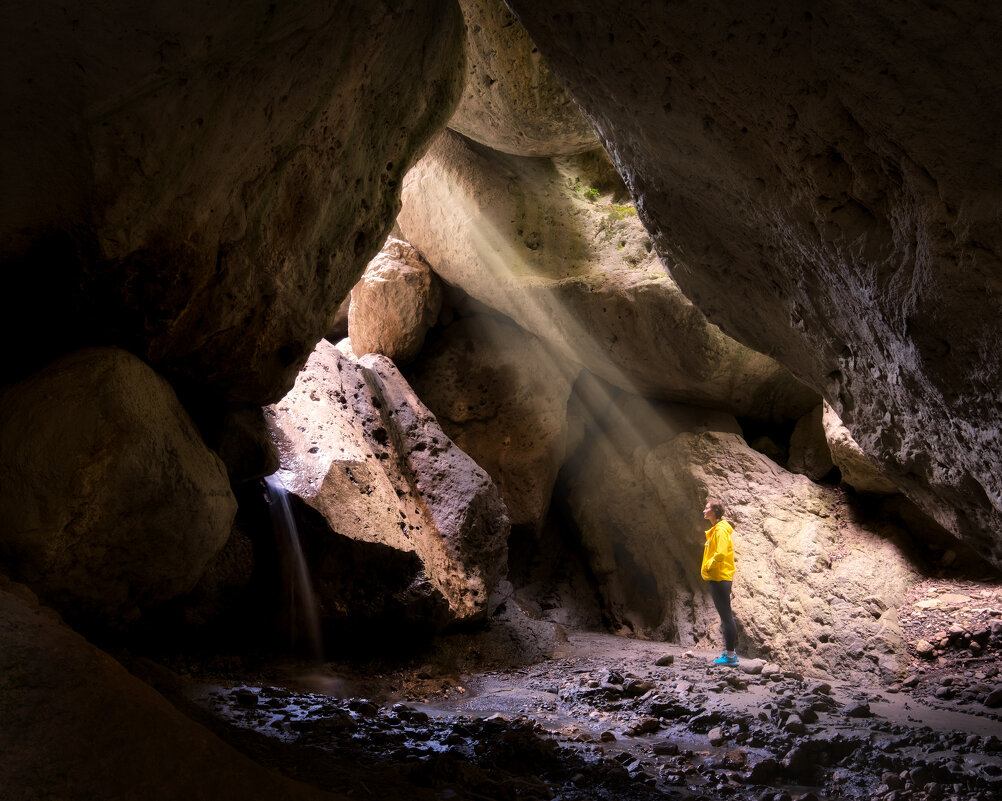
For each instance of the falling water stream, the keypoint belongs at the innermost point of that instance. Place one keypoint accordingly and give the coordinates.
(304, 619)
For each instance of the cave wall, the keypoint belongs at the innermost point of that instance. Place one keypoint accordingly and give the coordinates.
(203, 183)
(194, 187)
(822, 180)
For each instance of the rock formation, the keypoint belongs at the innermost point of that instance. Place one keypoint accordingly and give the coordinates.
(530, 239)
(858, 470)
(360, 448)
(110, 501)
(78, 725)
(394, 304)
(511, 101)
(823, 184)
(203, 184)
(815, 588)
(810, 454)
(501, 396)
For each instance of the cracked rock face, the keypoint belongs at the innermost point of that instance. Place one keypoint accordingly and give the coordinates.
(511, 101)
(203, 183)
(360, 448)
(535, 240)
(823, 184)
(110, 501)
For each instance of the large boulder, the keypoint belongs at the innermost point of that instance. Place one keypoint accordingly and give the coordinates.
(501, 396)
(204, 182)
(532, 239)
(824, 183)
(76, 724)
(814, 589)
(110, 501)
(394, 304)
(359, 447)
(511, 101)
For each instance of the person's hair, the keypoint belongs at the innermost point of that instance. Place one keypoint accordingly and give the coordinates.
(716, 506)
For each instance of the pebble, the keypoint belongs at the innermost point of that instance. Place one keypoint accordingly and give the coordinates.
(666, 748)
(795, 725)
(858, 711)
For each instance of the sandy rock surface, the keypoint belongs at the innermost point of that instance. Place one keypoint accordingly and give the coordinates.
(813, 586)
(534, 240)
(394, 304)
(824, 186)
(511, 101)
(359, 447)
(110, 501)
(501, 396)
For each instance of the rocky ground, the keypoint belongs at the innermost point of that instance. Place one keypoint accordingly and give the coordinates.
(612, 718)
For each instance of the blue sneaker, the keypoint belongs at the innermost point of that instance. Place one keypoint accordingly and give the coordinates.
(724, 659)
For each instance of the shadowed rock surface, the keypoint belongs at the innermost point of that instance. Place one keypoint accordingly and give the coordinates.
(77, 725)
(857, 469)
(822, 181)
(204, 183)
(110, 501)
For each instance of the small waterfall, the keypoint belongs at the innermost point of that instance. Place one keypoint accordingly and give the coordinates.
(304, 622)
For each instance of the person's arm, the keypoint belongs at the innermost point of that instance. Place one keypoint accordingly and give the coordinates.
(716, 557)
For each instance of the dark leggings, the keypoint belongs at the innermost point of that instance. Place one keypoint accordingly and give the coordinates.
(720, 592)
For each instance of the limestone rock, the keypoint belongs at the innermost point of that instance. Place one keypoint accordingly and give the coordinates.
(394, 304)
(525, 237)
(825, 187)
(511, 101)
(78, 725)
(858, 470)
(205, 182)
(358, 446)
(808, 577)
(809, 453)
(501, 396)
(110, 500)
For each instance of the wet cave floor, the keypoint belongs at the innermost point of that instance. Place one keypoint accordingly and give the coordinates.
(607, 717)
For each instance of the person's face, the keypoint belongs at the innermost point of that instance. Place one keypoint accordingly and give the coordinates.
(707, 512)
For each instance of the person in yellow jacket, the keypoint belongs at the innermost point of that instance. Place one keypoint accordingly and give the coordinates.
(718, 572)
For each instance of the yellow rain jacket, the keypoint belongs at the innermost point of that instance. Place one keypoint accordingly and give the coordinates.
(718, 553)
